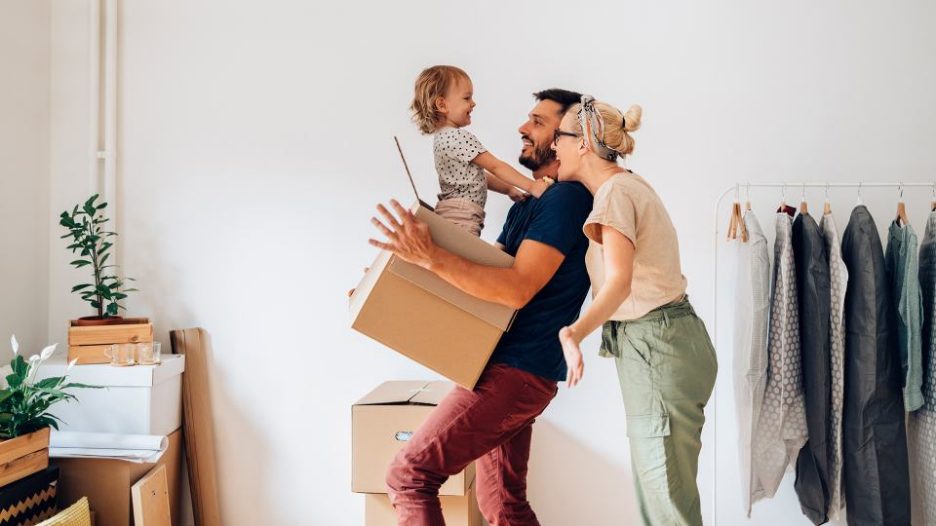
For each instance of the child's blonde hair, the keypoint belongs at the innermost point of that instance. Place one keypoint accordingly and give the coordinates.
(432, 83)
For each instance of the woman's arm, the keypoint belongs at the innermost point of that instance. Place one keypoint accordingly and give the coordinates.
(509, 175)
(619, 270)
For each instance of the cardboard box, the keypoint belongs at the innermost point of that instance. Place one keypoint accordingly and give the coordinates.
(140, 399)
(418, 314)
(107, 482)
(457, 511)
(383, 421)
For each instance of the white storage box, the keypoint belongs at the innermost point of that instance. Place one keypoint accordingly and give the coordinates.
(140, 399)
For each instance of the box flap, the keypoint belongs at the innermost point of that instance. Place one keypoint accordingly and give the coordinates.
(433, 393)
(394, 392)
(457, 240)
(107, 375)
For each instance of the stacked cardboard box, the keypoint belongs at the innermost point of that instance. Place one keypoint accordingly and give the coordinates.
(418, 314)
(381, 423)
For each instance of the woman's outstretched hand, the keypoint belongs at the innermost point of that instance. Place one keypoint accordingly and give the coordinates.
(573, 355)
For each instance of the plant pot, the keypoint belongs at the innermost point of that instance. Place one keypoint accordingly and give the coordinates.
(89, 321)
(24, 455)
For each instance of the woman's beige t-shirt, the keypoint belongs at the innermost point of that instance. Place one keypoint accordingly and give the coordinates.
(627, 203)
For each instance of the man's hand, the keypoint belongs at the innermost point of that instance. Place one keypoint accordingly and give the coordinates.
(573, 355)
(407, 237)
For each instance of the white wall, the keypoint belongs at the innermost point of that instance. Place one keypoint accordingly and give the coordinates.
(255, 138)
(24, 173)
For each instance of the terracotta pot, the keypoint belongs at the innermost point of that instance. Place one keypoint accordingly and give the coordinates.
(89, 321)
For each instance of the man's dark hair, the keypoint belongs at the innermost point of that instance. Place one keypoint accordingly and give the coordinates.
(562, 97)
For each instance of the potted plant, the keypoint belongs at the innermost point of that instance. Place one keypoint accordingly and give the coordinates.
(24, 414)
(85, 225)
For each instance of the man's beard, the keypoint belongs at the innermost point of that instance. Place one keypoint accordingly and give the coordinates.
(541, 156)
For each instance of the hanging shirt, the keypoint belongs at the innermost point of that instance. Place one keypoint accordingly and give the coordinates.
(814, 295)
(921, 431)
(838, 281)
(781, 427)
(877, 479)
(752, 305)
(903, 270)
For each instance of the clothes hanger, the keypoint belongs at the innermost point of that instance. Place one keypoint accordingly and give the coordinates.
(784, 207)
(902, 209)
(933, 198)
(747, 195)
(827, 206)
(736, 219)
(859, 195)
(803, 207)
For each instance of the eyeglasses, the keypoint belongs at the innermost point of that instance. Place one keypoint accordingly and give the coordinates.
(559, 133)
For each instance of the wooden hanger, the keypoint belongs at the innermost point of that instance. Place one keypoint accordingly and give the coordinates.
(803, 207)
(902, 209)
(933, 198)
(736, 224)
(747, 200)
(827, 206)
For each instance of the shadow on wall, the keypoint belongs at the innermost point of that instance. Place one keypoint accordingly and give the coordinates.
(572, 484)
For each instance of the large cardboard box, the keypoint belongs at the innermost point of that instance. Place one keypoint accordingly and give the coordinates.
(107, 482)
(418, 314)
(457, 511)
(383, 421)
(137, 400)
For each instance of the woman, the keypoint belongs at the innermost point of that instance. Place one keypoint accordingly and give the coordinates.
(664, 356)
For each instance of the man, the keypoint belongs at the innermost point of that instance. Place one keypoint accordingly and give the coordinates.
(547, 283)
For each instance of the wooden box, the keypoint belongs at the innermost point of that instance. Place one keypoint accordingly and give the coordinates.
(24, 455)
(89, 343)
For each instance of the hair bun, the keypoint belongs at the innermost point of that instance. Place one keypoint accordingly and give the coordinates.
(631, 121)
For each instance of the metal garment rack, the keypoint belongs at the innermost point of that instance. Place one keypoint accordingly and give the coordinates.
(736, 188)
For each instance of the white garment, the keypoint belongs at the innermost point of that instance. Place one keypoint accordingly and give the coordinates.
(752, 306)
(921, 424)
(781, 427)
(838, 274)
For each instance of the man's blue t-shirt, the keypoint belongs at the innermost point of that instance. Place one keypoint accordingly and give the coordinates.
(555, 219)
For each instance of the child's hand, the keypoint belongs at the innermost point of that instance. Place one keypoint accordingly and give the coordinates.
(538, 187)
(516, 194)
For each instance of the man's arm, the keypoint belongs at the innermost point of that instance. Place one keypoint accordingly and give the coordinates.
(534, 265)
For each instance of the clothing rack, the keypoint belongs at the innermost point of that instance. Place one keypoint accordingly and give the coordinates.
(783, 186)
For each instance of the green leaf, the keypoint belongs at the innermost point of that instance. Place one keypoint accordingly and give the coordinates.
(76, 288)
(80, 263)
(112, 309)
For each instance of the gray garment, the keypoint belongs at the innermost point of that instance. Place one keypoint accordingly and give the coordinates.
(877, 478)
(921, 430)
(814, 295)
(903, 270)
(752, 305)
(781, 427)
(838, 279)
(454, 150)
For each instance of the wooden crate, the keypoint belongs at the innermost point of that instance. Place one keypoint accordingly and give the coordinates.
(24, 455)
(89, 344)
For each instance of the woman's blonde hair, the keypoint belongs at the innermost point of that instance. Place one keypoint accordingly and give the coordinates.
(616, 126)
(432, 83)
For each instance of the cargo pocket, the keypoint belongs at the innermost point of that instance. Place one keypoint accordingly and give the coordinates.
(651, 455)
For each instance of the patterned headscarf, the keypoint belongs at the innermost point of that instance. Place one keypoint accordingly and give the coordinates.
(593, 128)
